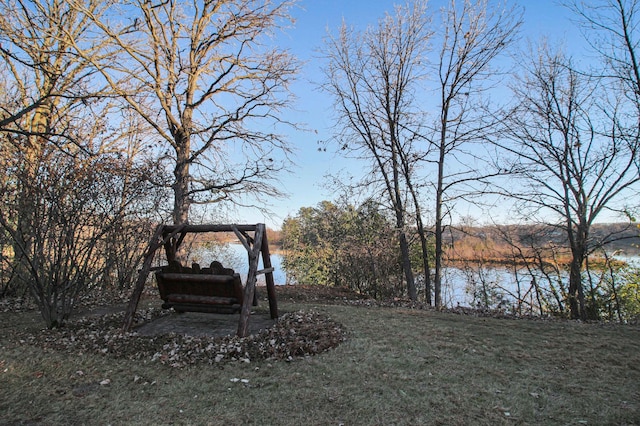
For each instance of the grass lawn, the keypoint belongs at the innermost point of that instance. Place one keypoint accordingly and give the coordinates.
(396, 366)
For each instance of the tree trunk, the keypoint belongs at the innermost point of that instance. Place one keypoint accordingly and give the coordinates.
(406, 265)
(437, 278)
(423, 239)
(397, 197)
(400, 223)
(404, 249)
(578, 239)
(181, 196)
(576, 293)
(438, 225)
(425, 262)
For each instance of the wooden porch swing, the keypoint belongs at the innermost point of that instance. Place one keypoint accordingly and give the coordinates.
(212, 292)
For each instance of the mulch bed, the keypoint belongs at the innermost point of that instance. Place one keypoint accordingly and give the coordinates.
(294, 335)
(97, 328)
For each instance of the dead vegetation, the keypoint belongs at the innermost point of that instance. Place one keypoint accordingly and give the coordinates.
(295, 334)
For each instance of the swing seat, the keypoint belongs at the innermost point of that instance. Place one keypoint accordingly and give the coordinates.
(186, 292)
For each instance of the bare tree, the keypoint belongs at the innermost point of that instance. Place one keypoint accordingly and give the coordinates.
(585, 133)
(473, 36)
(35, 37)
(45, 85)
(202, 76)
(373, 77)
(611, 27)
(68, 178)
(574, 161)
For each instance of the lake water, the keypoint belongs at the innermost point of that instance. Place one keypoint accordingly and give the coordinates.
(235, 256)
(513, 289)
(486, 286)
(460, 287)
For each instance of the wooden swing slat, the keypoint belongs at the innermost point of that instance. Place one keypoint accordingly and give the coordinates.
(206, 300)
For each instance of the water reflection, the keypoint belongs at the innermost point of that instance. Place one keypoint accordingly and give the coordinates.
(235, 256)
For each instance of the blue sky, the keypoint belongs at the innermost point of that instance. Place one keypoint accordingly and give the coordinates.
(306, 185)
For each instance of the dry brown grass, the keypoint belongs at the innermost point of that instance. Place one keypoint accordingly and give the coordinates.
(397, 366)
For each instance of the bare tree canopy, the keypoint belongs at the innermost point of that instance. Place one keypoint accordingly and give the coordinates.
(473, 35)
(44, 79)
(205, 79)
(573, 165)
(372, 77)
(612, 27)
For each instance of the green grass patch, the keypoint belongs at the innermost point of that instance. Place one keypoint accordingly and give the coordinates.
(397, 366)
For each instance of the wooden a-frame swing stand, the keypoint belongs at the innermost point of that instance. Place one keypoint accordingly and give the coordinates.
(171, 237)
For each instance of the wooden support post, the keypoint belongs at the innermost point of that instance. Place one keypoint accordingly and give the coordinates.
(155, 243)
(247, 242)
(271, 288)
(250, 287)
(242, 237)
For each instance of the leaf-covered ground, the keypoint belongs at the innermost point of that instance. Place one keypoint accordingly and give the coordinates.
(295, 334)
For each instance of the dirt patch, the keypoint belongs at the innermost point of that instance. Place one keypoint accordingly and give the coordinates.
(316, 293)
(198, 324)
